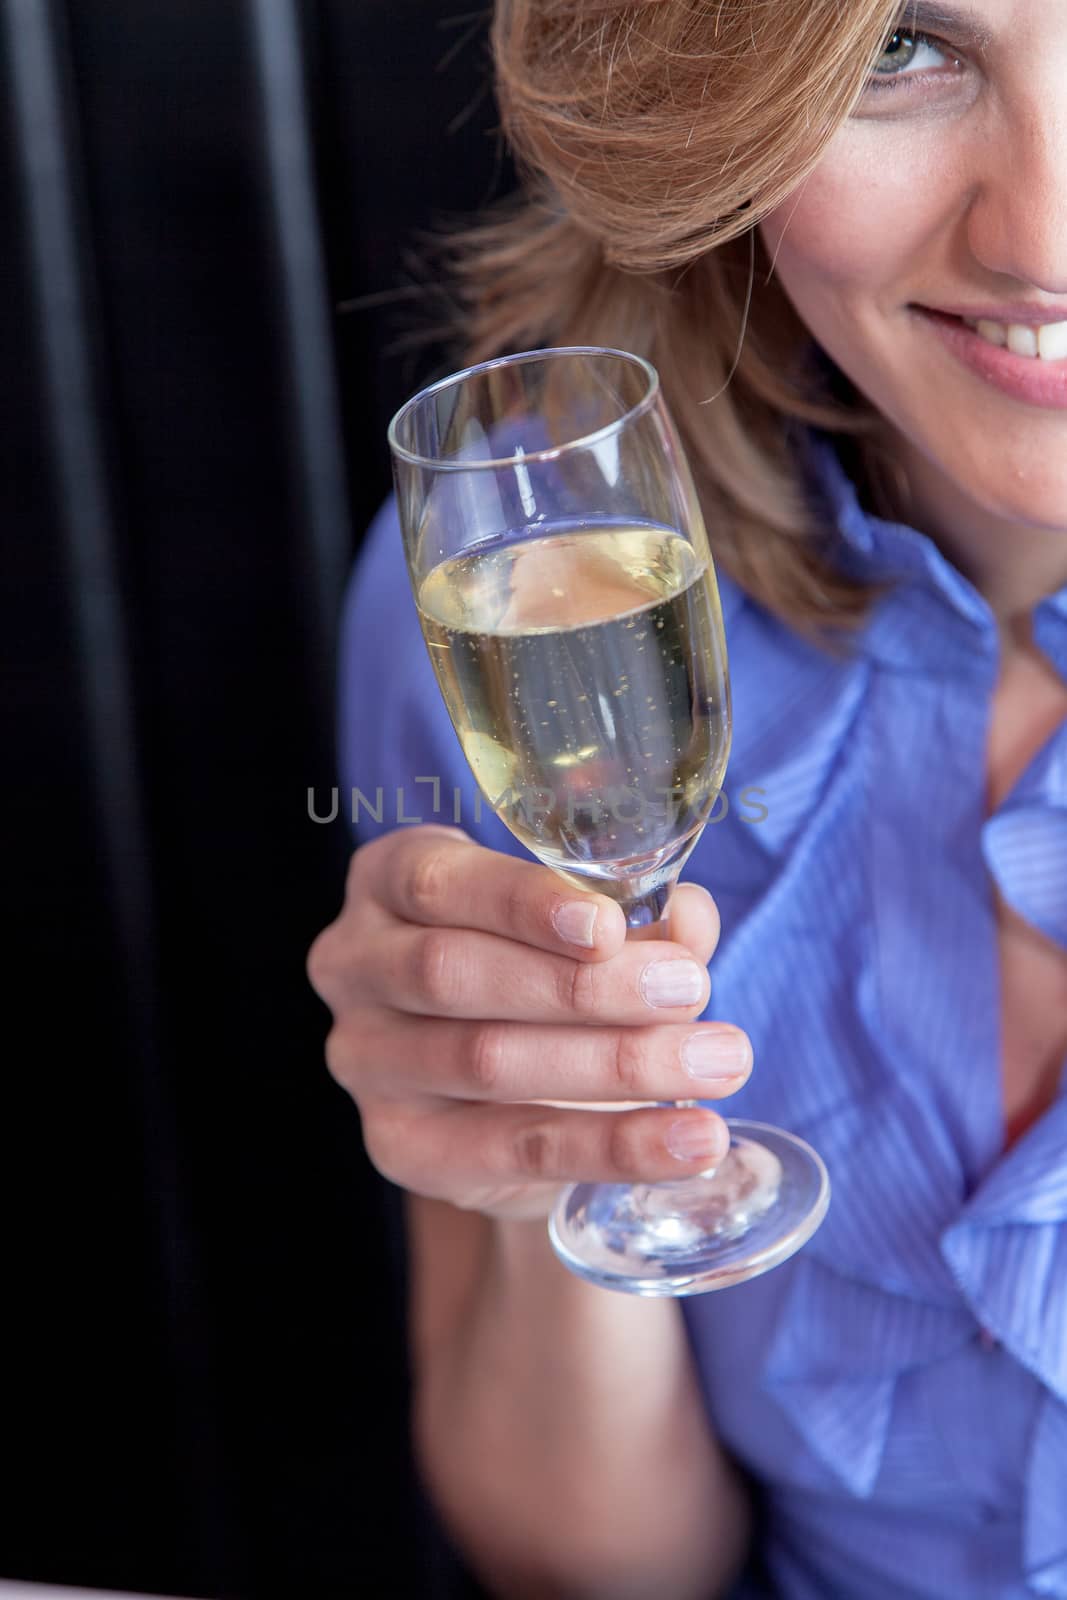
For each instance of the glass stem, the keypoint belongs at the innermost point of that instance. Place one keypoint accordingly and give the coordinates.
(650, 911)
(648, 908)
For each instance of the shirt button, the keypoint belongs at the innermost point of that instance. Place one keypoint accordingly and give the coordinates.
(988, 1341)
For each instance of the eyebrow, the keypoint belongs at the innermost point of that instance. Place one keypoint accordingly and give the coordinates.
(962, 27)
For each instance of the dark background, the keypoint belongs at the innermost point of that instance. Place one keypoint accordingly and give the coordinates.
(202, 1387)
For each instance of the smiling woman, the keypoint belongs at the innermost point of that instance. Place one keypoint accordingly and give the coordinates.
(839, 233)
(945, 301)
(675, 154)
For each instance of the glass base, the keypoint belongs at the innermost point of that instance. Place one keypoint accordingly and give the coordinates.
(760, 1204)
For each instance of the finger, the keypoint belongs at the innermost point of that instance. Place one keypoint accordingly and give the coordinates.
(509, 1062)
(450, 972)
(437, 877)
(692, 919)
(471, 1148)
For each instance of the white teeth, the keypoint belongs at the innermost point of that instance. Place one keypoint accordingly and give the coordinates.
(1048, 342)
(995, 332)
(1022, 341)
(1052, 341)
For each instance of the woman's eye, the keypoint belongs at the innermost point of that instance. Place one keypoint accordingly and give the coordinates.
(900, 54)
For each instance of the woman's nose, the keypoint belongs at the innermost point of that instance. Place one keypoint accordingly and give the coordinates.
(1017, 222)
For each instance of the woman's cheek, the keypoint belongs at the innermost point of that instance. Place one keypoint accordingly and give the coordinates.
(856, 224)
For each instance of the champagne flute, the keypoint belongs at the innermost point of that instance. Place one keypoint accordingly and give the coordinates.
(568, 601)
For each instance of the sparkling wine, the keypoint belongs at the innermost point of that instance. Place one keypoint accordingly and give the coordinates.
(582, 673)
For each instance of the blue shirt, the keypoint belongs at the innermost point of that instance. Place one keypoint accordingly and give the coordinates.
(899, 1387)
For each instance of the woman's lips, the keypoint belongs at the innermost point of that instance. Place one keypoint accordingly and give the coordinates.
(1025, 378)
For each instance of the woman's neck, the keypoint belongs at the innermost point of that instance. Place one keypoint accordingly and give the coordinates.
(1013, 565)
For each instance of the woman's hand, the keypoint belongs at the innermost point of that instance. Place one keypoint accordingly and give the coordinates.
(469, 988)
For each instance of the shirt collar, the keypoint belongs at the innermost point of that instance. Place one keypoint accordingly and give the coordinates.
(931, 617)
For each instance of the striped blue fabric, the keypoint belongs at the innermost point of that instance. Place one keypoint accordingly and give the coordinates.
(899, 1388)
(1026, 843)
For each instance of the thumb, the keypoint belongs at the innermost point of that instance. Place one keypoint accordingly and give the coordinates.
(692, 919)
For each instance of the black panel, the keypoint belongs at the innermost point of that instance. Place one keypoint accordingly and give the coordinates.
(204, 1388)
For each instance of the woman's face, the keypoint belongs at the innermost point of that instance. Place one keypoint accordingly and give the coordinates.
(947, 188)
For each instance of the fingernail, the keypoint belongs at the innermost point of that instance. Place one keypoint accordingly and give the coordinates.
(714, 1053)
(695, 1140)
(673, 983)
(575, 921)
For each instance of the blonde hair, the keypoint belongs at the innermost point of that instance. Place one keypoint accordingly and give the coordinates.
(652, 138)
